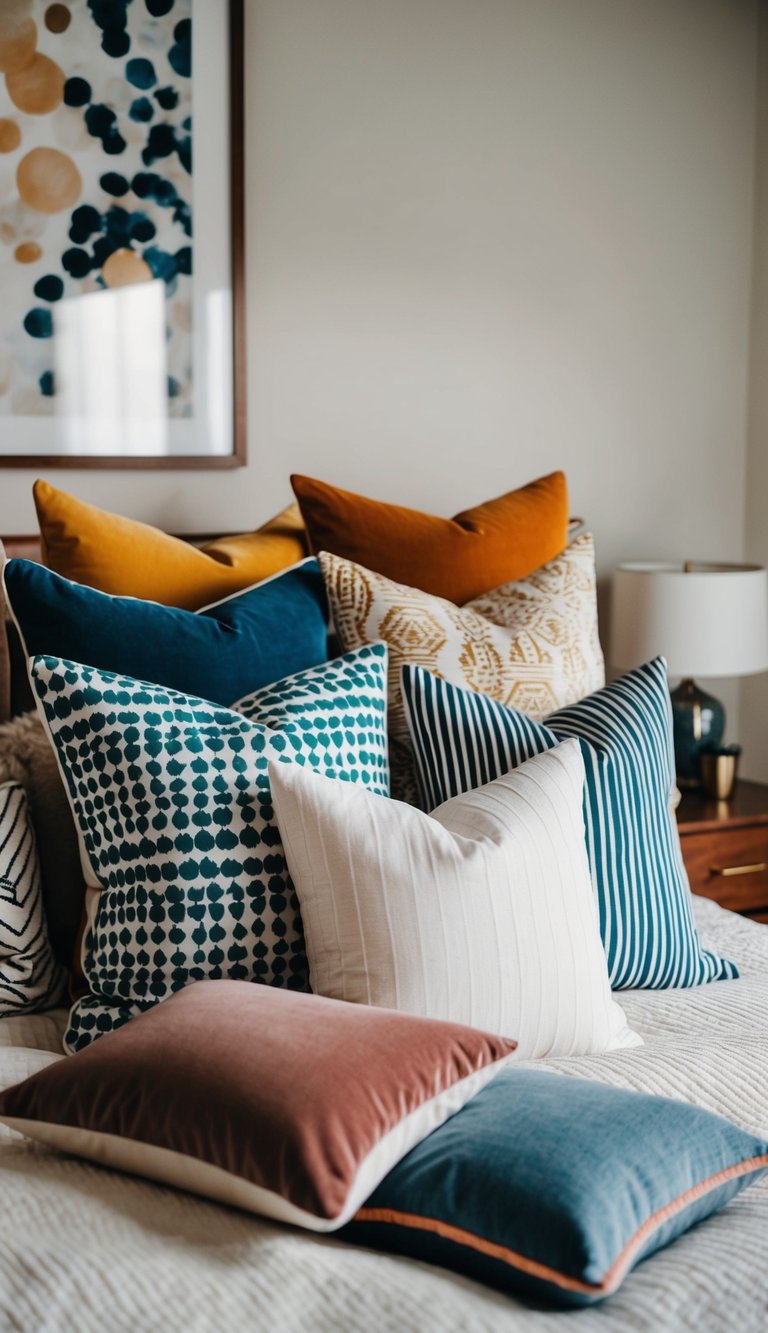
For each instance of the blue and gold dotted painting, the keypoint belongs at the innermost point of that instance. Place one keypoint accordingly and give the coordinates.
(95, 178)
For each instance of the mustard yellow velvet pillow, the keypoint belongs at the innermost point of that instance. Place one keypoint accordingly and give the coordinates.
(456, 558)
(131, 559)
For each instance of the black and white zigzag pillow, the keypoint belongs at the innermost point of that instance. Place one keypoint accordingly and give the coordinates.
(30, 978)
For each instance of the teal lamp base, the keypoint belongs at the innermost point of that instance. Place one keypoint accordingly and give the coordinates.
(699, 723)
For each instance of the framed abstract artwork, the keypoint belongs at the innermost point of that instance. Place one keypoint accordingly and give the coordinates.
(121, 234)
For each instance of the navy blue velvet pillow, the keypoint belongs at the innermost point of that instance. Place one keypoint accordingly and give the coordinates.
(228, 650)
(556, 1187)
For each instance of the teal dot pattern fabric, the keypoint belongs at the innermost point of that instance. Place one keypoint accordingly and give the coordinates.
(187, 875)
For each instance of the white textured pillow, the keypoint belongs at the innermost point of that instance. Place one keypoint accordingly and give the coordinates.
(480, 913)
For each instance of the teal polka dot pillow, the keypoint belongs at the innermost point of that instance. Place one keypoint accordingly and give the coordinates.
(185, 868)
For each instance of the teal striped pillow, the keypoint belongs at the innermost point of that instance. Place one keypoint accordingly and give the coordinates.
(464, 740)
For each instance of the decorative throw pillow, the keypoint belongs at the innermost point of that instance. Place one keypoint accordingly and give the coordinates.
(457, 558)
(255, 637)
(481, 913)
(186, 874)
(27, 757)
(286, 1105)
(533, 644)
(130, 559)
(30, 978)
(556, 1187)
(463, 740)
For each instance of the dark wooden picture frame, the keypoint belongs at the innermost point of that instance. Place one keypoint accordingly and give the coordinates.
(197, 461)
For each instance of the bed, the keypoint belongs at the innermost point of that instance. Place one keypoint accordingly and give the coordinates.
(86, 1246)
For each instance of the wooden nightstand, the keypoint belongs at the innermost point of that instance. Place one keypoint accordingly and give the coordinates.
(725, 847)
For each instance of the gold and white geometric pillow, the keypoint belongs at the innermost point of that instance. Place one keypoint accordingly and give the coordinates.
(532, 644)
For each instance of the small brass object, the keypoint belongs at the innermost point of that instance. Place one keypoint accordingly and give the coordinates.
(718, 775)
(727, 871)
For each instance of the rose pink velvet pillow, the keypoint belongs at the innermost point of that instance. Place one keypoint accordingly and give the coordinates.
(279, 1102)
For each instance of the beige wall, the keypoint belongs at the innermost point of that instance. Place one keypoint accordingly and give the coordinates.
(754, 691)
(487, 238)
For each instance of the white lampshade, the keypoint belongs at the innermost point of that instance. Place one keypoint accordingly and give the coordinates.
(706, 619)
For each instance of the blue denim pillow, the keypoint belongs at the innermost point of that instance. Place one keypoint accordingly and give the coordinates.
(556, 1187)
(227, 650)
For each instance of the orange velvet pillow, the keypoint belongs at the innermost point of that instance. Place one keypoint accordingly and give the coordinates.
(456, 558)
(131, 559)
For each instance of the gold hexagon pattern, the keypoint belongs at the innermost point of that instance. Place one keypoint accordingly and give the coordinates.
(532, 644)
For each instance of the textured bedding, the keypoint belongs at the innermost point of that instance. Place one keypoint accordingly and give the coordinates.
(87, 1248)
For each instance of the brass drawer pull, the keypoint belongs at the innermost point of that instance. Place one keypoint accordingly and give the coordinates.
(727, 871)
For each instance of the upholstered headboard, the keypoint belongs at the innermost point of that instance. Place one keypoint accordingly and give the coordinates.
(27, 547)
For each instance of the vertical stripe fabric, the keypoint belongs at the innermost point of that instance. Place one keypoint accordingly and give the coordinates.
(463, 740)
(30, 979)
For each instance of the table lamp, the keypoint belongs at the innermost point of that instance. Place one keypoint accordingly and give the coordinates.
(707, 620)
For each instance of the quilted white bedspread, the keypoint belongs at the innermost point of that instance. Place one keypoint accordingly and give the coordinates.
(88, 1249)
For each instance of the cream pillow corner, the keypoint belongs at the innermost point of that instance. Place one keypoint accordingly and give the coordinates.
(480, 913)
(532, 644)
